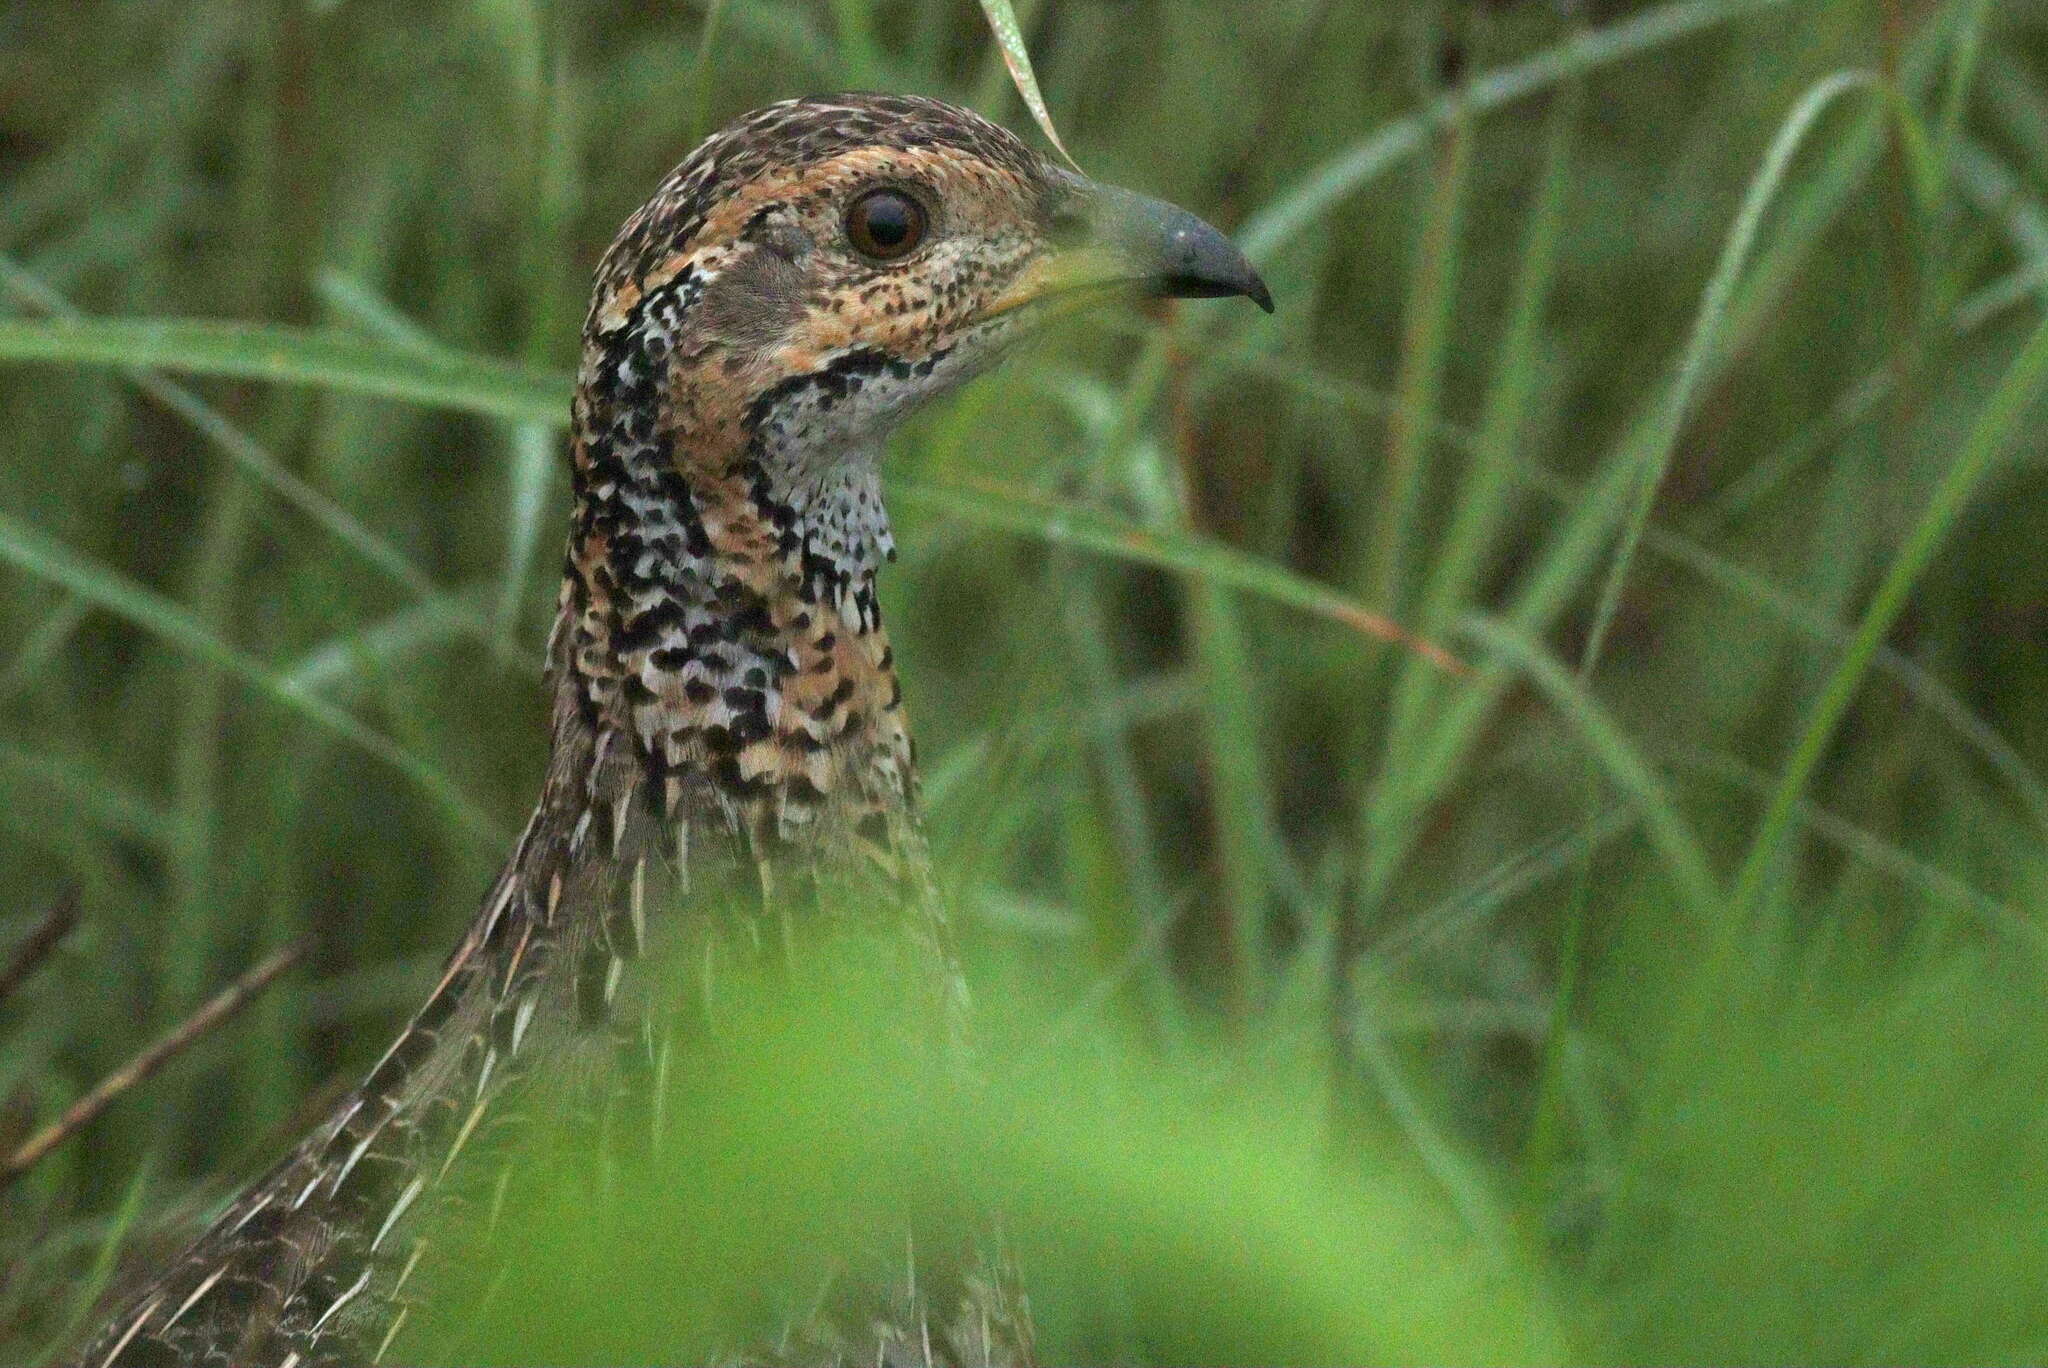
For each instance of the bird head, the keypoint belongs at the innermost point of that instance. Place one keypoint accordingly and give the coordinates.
(808, 276)
(820, 267)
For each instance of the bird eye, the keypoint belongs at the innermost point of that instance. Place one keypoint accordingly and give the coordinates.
(885, 224)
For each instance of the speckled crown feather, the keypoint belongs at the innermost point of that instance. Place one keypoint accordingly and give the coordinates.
(787, 137)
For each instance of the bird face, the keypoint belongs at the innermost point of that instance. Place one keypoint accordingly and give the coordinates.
(819, 268)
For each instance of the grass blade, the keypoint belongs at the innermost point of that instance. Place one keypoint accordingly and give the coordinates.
(990, 504)
(295, 356)
(1002, 22)
(245, 451)
(1774, 602)
(29, 550)
(1680, 851)
(2016, 392)
(1661, 437)
(1343, 175)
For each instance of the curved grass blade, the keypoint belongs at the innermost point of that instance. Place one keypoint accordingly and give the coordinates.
(1739, 581)
(1887, 857)
(1660, 438)
(297, 356)
(1919, 684)
(1649, 454)
(2016, 392)
(1023, 511)
(1002, 22)
(30, 551)
(1323, 188)
(1683, 857)
(1680, 851)
(243, 449)
(336, 666)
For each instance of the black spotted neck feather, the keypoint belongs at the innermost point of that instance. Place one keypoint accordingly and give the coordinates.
(719, 606)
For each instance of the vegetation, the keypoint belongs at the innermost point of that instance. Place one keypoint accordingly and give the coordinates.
(1664, 979)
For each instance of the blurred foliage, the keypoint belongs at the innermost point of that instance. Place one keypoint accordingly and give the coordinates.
(1674, 977)
(1157, 1212)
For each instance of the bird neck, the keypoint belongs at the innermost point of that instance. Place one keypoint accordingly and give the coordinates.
(719, 616)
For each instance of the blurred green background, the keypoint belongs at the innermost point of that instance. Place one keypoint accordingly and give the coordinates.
(1675, 366)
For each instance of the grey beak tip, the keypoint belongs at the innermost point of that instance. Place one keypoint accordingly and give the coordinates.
(1182, 257)
(1208, 265)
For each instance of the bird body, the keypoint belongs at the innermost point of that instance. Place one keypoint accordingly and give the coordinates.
(728, 729)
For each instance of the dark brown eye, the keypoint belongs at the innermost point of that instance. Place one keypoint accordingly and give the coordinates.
(885, 224)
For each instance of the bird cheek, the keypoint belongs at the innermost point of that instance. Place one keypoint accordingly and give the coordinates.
(753, 301)
(892, 320)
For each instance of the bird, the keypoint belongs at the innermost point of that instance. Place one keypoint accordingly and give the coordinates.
(726, 718)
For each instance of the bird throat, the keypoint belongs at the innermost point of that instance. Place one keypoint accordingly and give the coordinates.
(719, 614)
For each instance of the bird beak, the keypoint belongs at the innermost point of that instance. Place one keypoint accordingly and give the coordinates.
(1121, 238)
(1169, 251)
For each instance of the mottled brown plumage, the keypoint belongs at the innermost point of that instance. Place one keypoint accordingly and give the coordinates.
(727, 721)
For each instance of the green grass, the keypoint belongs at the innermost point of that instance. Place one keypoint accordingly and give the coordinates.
(1673, 973)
